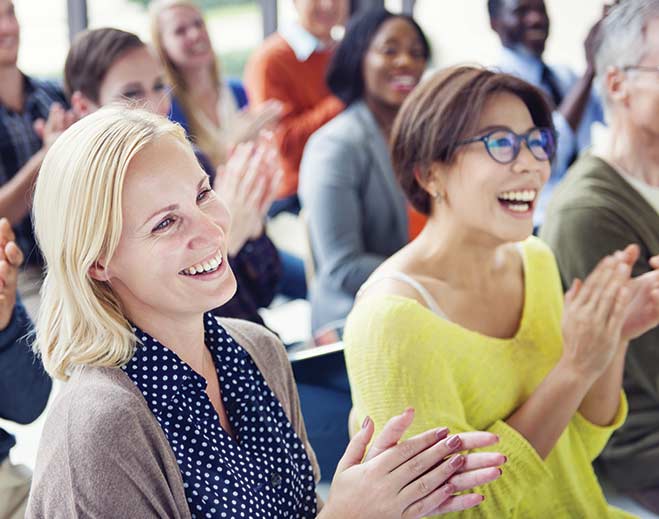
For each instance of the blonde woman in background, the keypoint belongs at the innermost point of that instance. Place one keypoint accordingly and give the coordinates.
(169, 411)
(206, 107)
(203, 102)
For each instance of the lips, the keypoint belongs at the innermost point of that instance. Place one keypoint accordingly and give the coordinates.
(210, 264)
(403, 82)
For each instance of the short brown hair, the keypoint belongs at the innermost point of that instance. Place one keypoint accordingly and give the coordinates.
(445, 110)
(91, 55)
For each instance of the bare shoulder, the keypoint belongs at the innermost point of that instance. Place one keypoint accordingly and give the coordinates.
(389, 280)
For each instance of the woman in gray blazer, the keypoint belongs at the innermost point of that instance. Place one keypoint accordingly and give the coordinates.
(355, 211)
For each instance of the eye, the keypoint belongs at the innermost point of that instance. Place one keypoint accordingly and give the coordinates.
(204, 194)
(164, 224)
(133, 94)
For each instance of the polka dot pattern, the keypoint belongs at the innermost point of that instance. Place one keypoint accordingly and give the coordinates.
(265, 472)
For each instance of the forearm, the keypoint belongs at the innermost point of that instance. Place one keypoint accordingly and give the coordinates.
(574, 103)
(15, 195)
(545, 415)
(600, 404)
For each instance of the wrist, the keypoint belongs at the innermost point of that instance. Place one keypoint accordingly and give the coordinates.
(578, 378)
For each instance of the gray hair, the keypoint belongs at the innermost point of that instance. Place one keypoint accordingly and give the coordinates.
(622, 37)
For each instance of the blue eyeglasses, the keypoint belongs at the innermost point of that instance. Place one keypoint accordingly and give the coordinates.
(504, 145)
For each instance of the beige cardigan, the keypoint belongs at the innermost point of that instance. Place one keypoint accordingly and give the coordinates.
(103, 454)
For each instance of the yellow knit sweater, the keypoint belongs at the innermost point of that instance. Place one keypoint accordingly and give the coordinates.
(401, 354)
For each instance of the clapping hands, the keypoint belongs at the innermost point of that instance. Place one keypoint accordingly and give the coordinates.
(11, 258)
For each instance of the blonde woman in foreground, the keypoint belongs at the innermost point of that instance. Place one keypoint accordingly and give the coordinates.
(169, 411)
(468, 323)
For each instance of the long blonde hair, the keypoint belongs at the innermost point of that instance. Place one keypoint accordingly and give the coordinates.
(202, 132)
(77, 221)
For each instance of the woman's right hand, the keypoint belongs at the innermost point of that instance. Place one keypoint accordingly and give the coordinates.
(411, 479)
(594, 314)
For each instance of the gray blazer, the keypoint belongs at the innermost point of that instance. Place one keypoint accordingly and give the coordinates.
(354, 208)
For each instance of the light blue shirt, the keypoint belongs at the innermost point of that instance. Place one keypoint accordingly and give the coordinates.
(303, 43)
(529, 68)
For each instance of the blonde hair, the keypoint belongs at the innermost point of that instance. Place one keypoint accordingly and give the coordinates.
(202, 132)
(77, 221)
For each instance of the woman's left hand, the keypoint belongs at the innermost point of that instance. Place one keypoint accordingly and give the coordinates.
(643, 310)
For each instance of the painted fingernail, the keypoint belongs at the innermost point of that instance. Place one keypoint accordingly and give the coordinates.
(505, 459)
(366, 421)
(454, 442)
(440, 434)
(457, 461)
(482, 498)
(500, 471)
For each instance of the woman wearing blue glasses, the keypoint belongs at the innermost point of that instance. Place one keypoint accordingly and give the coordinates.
(468, 323)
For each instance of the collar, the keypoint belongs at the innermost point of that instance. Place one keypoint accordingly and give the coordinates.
(521, 63)
(303, 43)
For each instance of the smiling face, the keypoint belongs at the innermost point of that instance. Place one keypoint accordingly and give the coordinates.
(485, 196)
(184, 37)
(171, 257)
(523, 23)
(394, 63)
(9, 34)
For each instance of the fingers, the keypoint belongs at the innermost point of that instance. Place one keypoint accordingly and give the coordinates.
(482, 460)
(575, 288)
(608, 294)
(404, 452)
(458, 503)
(14, 254)
(477, 440)
(474, 478)
(432, 501)
(357, 447)
(6, 232)
(654, 262)
(391, 433)
(430, 461)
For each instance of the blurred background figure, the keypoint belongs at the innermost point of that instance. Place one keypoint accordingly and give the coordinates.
(355, 209)
(608, 199)
(24, 385)
(32, 114)
(203, 102)
(290, 66)
(523, 28)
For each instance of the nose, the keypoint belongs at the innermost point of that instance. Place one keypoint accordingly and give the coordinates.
(525, 161)
(158, 103)
(535, 17)
(206, 233)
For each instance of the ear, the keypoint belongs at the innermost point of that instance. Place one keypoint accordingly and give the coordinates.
(82, 105)
(99, 271)
(432, 179)
(615, 81)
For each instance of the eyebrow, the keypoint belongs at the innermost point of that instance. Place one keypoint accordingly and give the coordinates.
(173, 207)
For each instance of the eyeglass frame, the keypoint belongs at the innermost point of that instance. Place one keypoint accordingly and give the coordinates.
(518, 142)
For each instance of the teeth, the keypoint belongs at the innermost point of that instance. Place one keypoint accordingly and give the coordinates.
(519, 208)
(520, 196)
(208, 266)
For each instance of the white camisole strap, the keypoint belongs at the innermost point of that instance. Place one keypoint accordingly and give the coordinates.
(400, 276)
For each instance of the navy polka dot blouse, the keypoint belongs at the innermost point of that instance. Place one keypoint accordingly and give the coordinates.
(265, 472)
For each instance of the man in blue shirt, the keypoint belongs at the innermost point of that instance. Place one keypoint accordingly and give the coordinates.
(32, 114)
(24, 386)
(523, 27)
